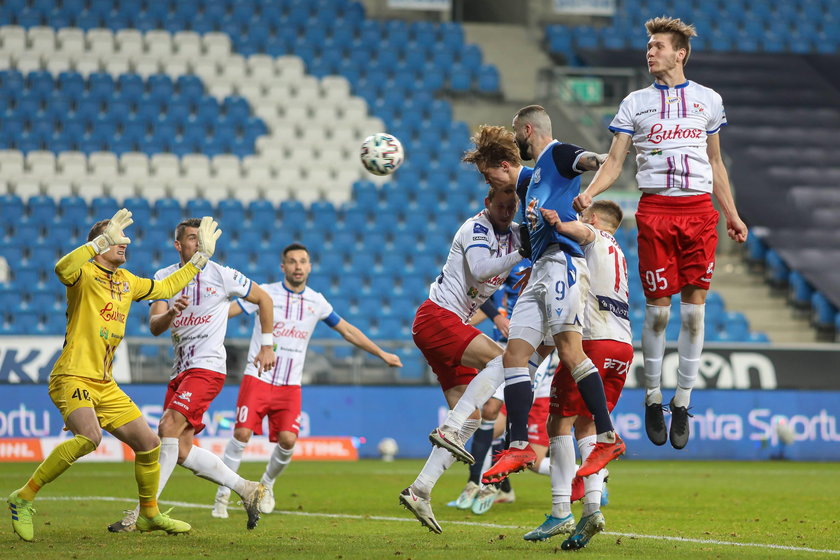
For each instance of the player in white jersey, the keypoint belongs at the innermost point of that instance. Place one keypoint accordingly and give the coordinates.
(297, 309)
(674, 125)
(606, 340)
(197, 320)
(483, 252)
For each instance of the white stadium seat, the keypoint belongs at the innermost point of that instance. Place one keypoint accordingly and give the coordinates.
(158, 43)
(116, 64)
(134, 165)
(187, 44)
(84, 64)
(72, 166)
(233, 69)
(175, 66)
(11, 164)
(71, 40)
(145, 65)
(41, 40)
(355, 109)
(26, 62)
(41, 164)
(129, 41)
(103, 166)
(325, 115)
(335, 87)
(90, 189)
(216, 44)
(226, 166)
(289, 68)
(58, 188)
(248, 89)
(27, 186)
(165, 167)
(14, 39)
(152, 190)
(100, 40)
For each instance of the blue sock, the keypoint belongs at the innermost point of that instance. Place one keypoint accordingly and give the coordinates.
(518, 399)
(592, 390)
(482, 440)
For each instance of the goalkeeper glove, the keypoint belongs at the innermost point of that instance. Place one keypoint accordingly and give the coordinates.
(113, 234)
(208, 233)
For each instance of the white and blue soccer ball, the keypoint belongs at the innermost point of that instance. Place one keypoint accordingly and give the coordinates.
(382, 153)
(388, 448)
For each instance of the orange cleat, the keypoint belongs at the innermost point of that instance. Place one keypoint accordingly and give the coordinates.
(509, 461)
(602, 454)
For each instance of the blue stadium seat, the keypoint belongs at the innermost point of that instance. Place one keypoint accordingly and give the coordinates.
(11, 209)
(230, 212)
(197, 207)
(167, 212)
(262, 215)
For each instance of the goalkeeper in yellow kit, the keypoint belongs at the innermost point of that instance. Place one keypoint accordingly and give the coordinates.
(99, 295)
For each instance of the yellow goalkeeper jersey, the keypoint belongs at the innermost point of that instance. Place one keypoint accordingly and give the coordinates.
(98, 301)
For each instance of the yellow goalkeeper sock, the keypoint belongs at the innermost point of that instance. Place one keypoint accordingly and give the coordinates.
(147, 474)
(58, 461)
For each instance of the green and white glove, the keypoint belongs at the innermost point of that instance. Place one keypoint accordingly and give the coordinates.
(208, 233)
(113, 234)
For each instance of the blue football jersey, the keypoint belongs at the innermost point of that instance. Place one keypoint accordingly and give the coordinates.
(554, 185)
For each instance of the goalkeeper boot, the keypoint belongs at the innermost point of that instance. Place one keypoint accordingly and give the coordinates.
(451, 441)
(551, 527)
(22, 512)
(467, 497)
(421, 508)
(485, 499)
(251, 502)
(220, 503)
(127, 524)
(162, 522)
(588, 526)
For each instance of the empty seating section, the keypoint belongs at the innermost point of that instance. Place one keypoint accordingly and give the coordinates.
(799, 26)
(251, 111)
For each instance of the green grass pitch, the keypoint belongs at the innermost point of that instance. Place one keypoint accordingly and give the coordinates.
(657, 509)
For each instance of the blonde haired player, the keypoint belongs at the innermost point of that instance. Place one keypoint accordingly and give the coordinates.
(674, 125)
(99, 295)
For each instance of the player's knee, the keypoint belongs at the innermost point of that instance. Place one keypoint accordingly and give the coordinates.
(171, 425)
(490, 410)
(287, 440)
(90, 440)
(242, 435)
(692, 317)
(583, 369)
(656, 317)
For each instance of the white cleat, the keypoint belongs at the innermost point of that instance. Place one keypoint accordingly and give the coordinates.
(251, 502)
(421, 508)
(267, 501)
(451, 441)
(127, 524)
(467, 497)
(220, 505)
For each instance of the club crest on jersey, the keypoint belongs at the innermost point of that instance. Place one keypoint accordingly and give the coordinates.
(210, 290)
(478, 228)
(472, 292)
(103, 332)
(698, 108)
(537, 175)
(185, 395)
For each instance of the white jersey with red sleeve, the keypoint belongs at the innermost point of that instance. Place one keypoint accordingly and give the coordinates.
(669, 127)
(456, 288)
(295, 316)
(198, 332)
(607, 315)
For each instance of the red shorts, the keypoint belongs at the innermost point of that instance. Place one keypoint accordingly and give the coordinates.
(442, 337)
(191, 393)
(677, 241)
(612, 358)
(258, 399)
(537, 433)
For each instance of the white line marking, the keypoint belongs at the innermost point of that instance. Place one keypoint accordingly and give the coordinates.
(469, 523)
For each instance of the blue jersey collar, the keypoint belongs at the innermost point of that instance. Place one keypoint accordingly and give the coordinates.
(663, 86)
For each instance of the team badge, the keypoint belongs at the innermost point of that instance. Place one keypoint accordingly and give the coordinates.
(478, 228)
(537, 175)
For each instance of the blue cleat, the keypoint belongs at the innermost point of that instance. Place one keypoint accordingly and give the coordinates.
(552, 526)
(587, 527)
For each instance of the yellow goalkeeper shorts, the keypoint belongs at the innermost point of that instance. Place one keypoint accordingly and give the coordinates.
(112, 406)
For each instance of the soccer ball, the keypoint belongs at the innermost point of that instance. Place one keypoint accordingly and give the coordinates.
(382, 154)
(388, 448)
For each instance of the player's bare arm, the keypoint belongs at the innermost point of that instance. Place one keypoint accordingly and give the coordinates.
(590, 161)
(357, 338)
(607, 173)
(736, 229)
(234, 309)
(575, 229)
(265, 359)
(161, 314)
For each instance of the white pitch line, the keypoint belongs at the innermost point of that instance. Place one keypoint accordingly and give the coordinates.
(468, 523)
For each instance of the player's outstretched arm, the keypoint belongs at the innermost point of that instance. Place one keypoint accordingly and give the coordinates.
(574, 229)
(735, 227)
(358, 339)
(68, 267)
(265, 359)
(484, 266)
(608, 172)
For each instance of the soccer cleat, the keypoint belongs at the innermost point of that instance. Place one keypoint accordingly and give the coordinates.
(679, 426)
(578, 490)
(22, 512)
(267, 502)
(601, 454)
(467, 497)
(421, 508)
(509, 461)
(588, 526)
(162, 522)
(552, 526)
(127, 524)
(655, 424)
(451, 441)
(220, 505)
(485, 499)
(506, 497)
(251, 503)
